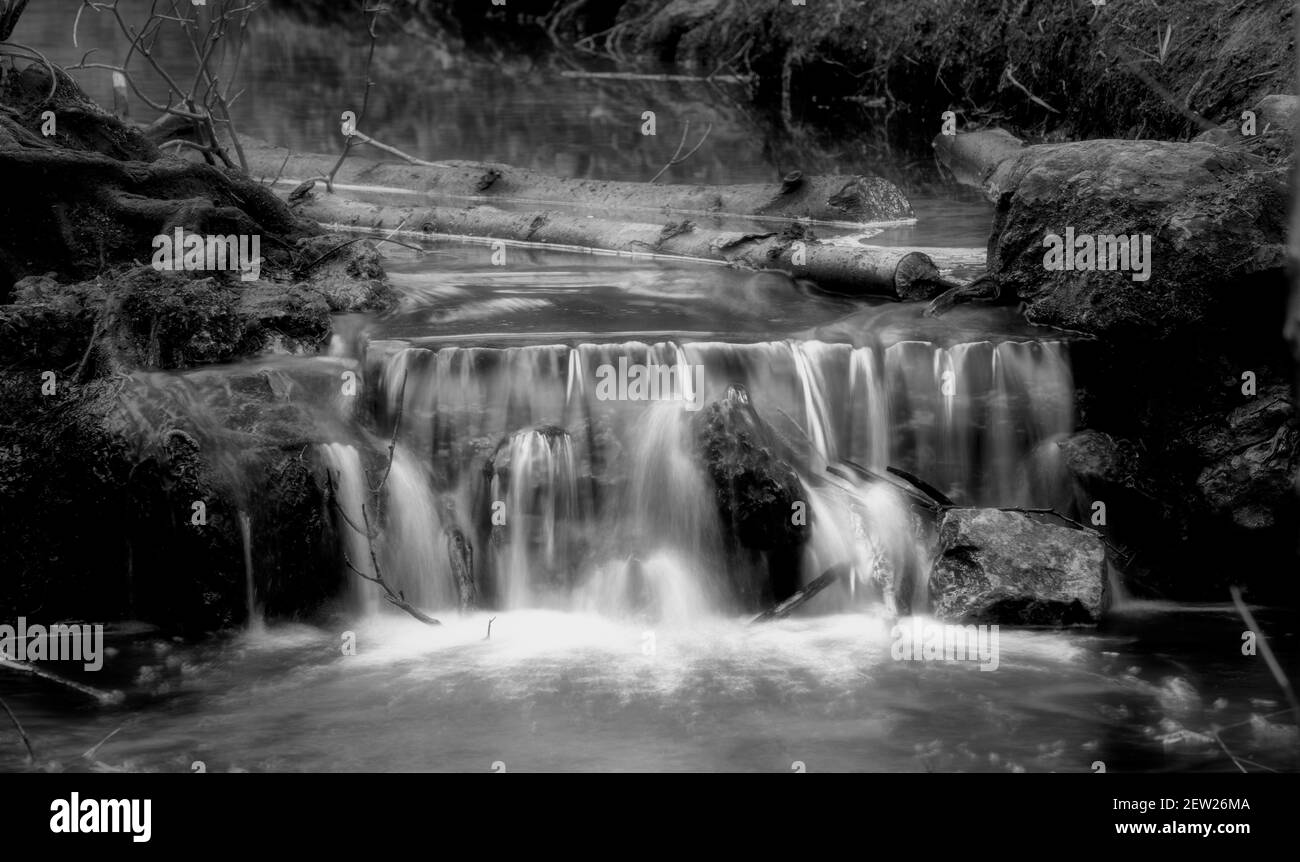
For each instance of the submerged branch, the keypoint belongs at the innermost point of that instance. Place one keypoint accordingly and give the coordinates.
(392, 444)
(394, 599)
(923, 486)
(31, 753)
(103, 697)
(783, 609)
(1265, 650)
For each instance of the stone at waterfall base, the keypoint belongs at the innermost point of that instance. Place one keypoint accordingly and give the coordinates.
(1007, 567)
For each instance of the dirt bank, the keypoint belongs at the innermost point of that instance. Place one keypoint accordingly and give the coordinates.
(1043, 67)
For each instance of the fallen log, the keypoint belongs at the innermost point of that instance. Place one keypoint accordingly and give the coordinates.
(855, 200)
(840, 267)
(784, 609)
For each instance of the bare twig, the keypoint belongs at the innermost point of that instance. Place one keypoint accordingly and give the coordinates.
(392, 444)
(330, 487)
(205, 109)
(343, 245)
(783, 609)
(396, 599)
(1135, 66)
(36, 55)
(366, 139)
(90, 753)
(31, 754)
(1009, 73)
(1231, 757)
(678, 158)
(393, 598)
(103, 697)
(1267, 652)
(375, 12)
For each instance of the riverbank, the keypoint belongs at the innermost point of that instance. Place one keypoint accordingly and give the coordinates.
(1049, 70)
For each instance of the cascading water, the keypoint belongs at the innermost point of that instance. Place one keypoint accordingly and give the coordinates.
(350, 490)
(577, 494)
(255, 622)
(415, 553)
(534, 504)
(665, 527)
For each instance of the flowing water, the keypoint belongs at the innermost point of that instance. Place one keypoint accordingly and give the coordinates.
(618, 639)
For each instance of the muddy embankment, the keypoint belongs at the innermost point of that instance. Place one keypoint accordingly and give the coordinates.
(1070, 70)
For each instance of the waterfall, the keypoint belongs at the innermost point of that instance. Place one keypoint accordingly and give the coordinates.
(572, 498)
(415, 550)
(255, 622)
(669, 519)
(534, 493)
(351, 492)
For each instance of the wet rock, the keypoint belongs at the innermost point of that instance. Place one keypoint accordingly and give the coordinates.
(287, 319)
(1112, 470)
(756, 489)
(1212, 218)
(1215, 217)
(1253, 457)
(756, 486)
(1146, 512)
(347, 273)
(1006, 567)
(1095, 458)
(169, 320)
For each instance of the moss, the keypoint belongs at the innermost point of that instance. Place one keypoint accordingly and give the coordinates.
(171, 321)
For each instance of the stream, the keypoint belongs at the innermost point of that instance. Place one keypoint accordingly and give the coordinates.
(617, 645)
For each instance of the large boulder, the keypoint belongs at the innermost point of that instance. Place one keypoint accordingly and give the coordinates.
(1215, 217)
(1006, 567)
